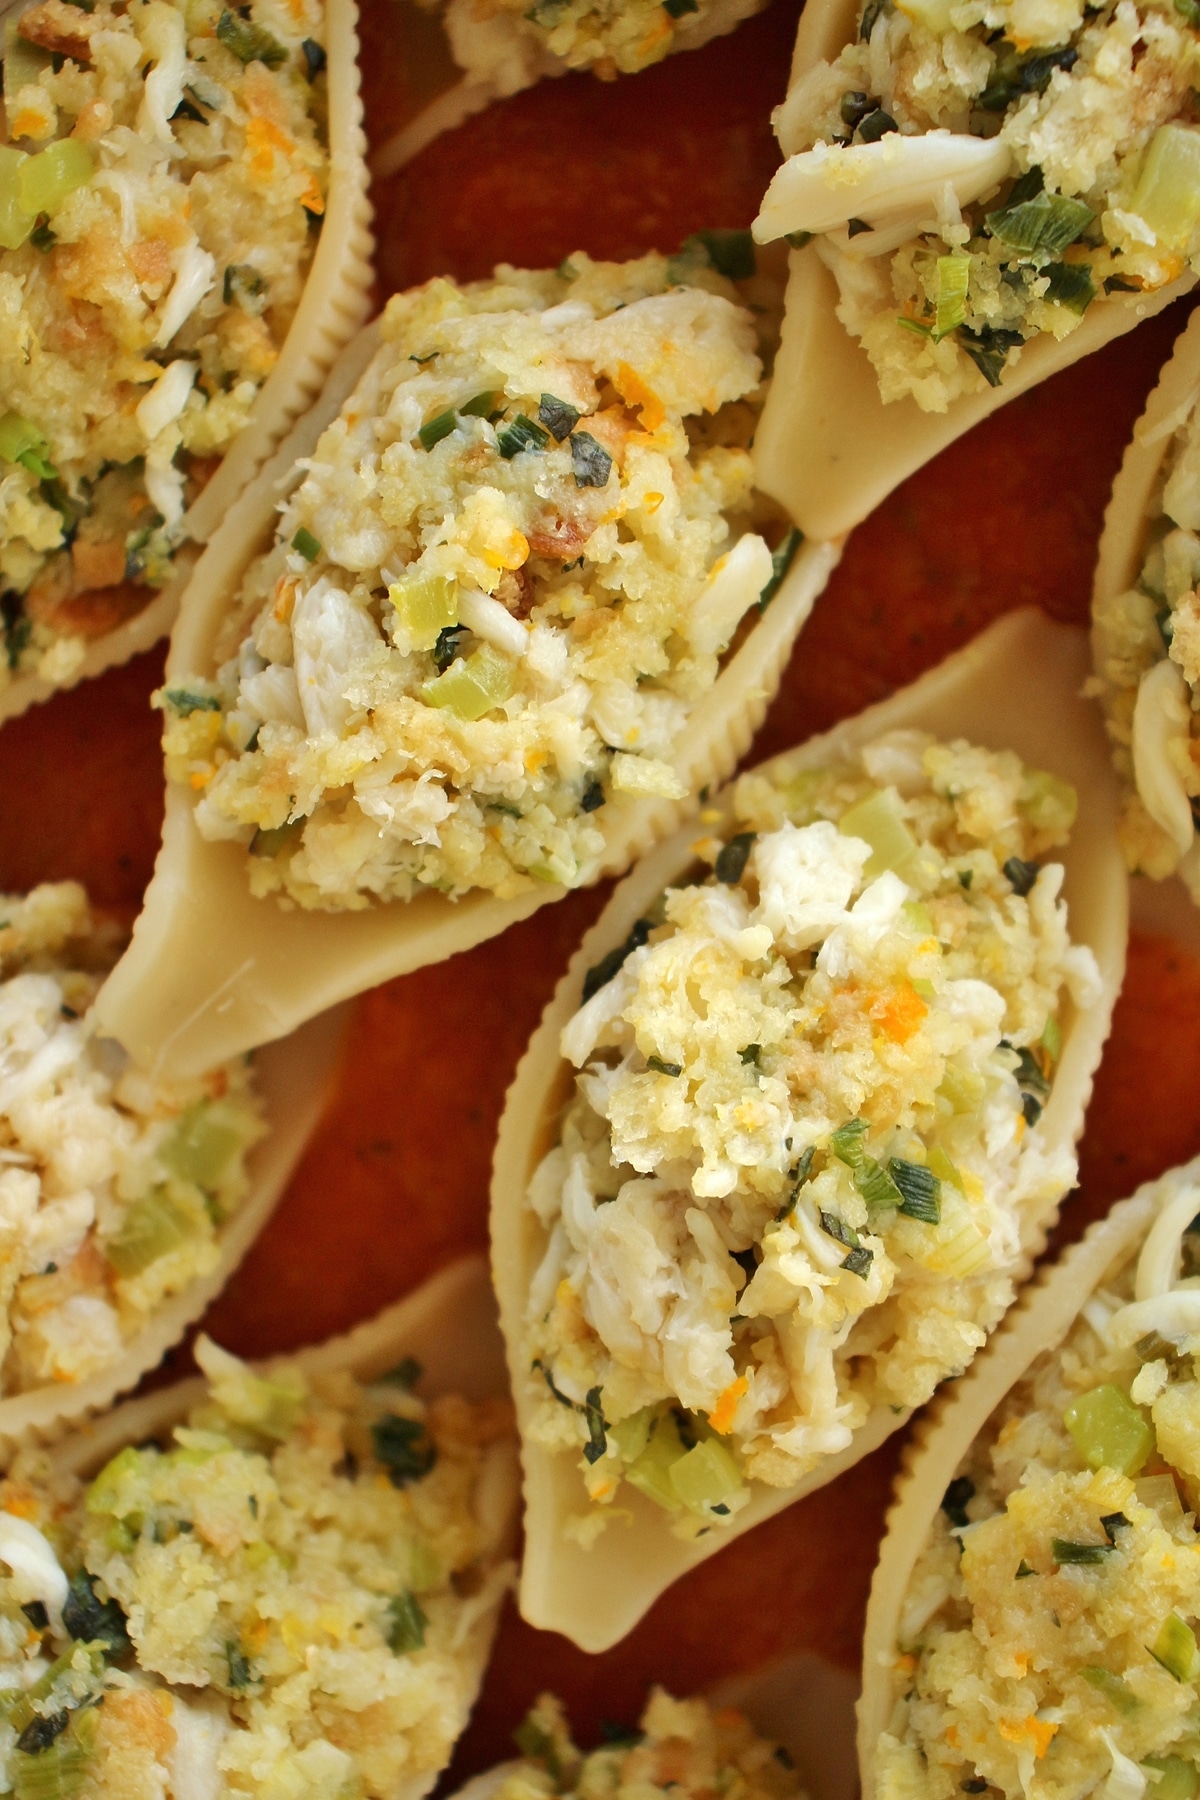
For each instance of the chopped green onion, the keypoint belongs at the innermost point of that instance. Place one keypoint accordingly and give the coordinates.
(404, 1447)
(558, 416)
(953, 278)
(1108, 1430)
(307, 545)
(847, 1142)
(988, 349)
(590, 462)
(856, 227)
(751, 1055)
(798, 239)
(732, 858)
(1175, 1649)
(406, 1624)
(314, 57)
(1023, 1571)
(1041, 226)
(601, 973)
(944, 1169)
(1015, 74)
(663, 1068)
(1066, 1551)
(593, 1415)
(875, 126)
(249, 42)
(522, 434)
(184, 702)
(1052, 1038)
(434, 430)
(782, 558)
(426, 606)
(56, 1774)
(90, 1620)
(1021, 875)
(875, 1184)
(592, 797)
(448, 647)
(1114, 1688)
(858, 1261)
(241, 1669)
(1071, 285)
(731, 253)
(152, 1227)
(834, 1226)
(41, 237)
(1112, 1523)
(482, 404)
(920, 1188)
(679, 9)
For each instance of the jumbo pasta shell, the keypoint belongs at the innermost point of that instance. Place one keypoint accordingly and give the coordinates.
(448, 1325)
(212, 970)
(1039, 1322)
(828, 448)
(437, 56)
(335, 302)
(294, 1079)
(1016, 686)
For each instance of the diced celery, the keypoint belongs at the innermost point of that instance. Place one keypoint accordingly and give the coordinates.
(1052, 1038)
(963, 1088)
(1167, 195)
(204, 1143)
(1178, 1778)
(1049, 803)
(631, 1435)
(22, 442)
(944, 1169)
(877, 821)
(153, 1227)
(799, 792)
(15, 223)
(425, 605)
(651, 1473)
(706, 1476)
(23, 61)
(1175, 1649)
(961, 1248)
(54, 1774)
(115, 1485)
(473, 685)
(425, 1569)
(1114, 1688)
(918, 917)
(953, 274)
(1108, 1430)
(268, 1405)
(48, 179)
(933, 14)
(406, 1624)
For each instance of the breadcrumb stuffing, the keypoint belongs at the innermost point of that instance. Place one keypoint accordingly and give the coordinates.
(292, 1597)
(144, 306)
(114, 1187)
(500, 591)
(1032, 1665)
(803, 1159)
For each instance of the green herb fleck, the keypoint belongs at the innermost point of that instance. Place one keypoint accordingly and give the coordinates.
(249, 42)
(406, 1624)
(558, 416)
(782, 558)
(591, 464)
(601, 973)
(306, 544)
(404, 1447)
(663, 1068)
(732, 858)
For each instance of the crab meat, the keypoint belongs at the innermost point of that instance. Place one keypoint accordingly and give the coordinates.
(825, 187)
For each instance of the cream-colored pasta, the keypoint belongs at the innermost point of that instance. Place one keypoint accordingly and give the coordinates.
(1144, 635)
(901, 231)
(1014, 688)
(266, 1582)
(206, 217)
(1084, 1409)
(125, 1202)
(556, 776)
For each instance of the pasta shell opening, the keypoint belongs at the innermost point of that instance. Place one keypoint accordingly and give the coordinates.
(1015, 687)
(334, 303)
(211, 966)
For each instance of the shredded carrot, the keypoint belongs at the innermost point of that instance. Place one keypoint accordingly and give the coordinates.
(28, 124)
(312, 199)
(1016, 1731)
(899, 1012)
(200, 778)
(721, 1416)
(634, 392)
(262, 140)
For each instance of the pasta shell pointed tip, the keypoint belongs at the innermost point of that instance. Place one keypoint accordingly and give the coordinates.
(1016, 687)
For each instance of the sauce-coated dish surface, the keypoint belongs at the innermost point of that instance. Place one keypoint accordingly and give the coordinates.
(394, 1184)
